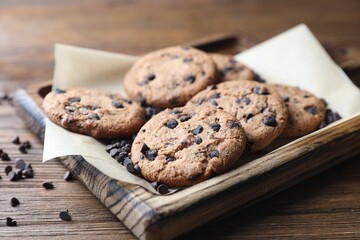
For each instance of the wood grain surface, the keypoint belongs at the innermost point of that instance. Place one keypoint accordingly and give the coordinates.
(326, 206)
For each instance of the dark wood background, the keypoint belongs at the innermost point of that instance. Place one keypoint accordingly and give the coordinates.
(326, 206)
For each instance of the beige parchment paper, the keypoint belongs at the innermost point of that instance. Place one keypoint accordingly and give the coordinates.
(294, 57)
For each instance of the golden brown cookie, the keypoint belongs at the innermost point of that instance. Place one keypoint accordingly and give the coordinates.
(306, 111)
(95, 113)
(184, 146)
(169, 77)
(229, 69)
(261, 111)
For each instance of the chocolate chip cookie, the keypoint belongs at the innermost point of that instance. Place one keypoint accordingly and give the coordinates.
(169, 77)
(229, 69)
(306, 111)
(184, 146)
(259, 109)
(95, 113)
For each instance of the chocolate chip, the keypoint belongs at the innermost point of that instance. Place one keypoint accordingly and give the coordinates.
(68, 176)
(28, 166)
(198, 140)
(12, 176)
(322, 124)
(113, 152)
(150, 77)
(270, 121)
(150, 112)
(187, 60)
(233, 124)
(142, 101)
(117, 104)
(94, 116)
(336, 116)
(162, 189)
(144, 148)
(215, 126)
(214, 153)
(311, 109)
(137, 169)
(129, 165)
(260, 90)
(74, 99)
(121, 157)
(5, 156)
(16, 140)
(151, 154)
(22, 149)
(58, 90)
(258, 78)
(306, 96)
(14, 202)
(19, 174)
(8, 169)
(19, 163)
(212, 87)
(197, 130)
(126, 148)
(65, 216)
(10, 222)
(189, 78)
(172, 123)
(184, 118)
(216, 95)
(170, 159)
(27, 144)
(48, 185)
(28, 173)
(154, 185)
(176, 111)
(245, 100)
(109, 147)
(286, 99)
(70, 109)
(128, 101)
(248, 116)
(214, 102)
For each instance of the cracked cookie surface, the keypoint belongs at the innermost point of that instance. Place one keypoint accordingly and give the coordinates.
(306, 111)
(169, 77)
(184, 146)
(260, 111)
(96, 113)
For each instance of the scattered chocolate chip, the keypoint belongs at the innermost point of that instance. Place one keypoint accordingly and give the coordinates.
(28, 173)
(214, 102)
(189, 78)
(126, 148)
(137, 169)
(12, 176)
(214, 153)
(75, 99)
(121, 157)
(5, 156)
(109, 147)
(248, 116)
(28, 166)
(258, 78)
(94, 116)
(65, 216)
(311, 109)
(48, 185)
(8, 169)
(58, 90)
(10, 222)
(20, 163)
(286, 99)
(270, 121)
(150, 77)
(215, 126)
(170, 159)
(117, 104)
(3, 95)
(14, 202)
(22, 149)
(198, 140)
(154, 185)
(19, 174)
(128, 101)
(27, 144)
(212, 87)
(114, 152)
(68, 176)
(322, 124)
(172, 123)
(184, 118)
(129, 165)
(162, 189)
(188, 59)
(197, 130)
(336, 116)
(16, 140)
(233, 124)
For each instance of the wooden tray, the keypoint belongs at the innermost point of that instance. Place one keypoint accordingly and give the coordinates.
(151, 216)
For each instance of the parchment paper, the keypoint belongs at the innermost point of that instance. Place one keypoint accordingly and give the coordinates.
(294, 57)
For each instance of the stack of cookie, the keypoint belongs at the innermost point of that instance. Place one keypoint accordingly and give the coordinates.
(207, 109)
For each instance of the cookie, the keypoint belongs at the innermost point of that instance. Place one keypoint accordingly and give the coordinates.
(169, 77)
(229, 69)
(184, 146)
(306, 111)
(95, 113)
(261, 111)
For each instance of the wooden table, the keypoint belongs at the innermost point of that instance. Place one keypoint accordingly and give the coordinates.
(326, 206)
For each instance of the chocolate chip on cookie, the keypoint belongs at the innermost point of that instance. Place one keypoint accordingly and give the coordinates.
(210, 141)
(95, 113)
(170, 77)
